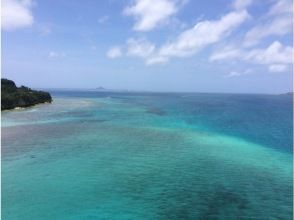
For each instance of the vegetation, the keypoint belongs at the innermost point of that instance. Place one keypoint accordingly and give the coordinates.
(13, 96)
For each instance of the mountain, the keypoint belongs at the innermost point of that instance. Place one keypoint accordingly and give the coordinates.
(13, 96)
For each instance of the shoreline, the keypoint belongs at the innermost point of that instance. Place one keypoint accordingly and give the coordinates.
(26, 107)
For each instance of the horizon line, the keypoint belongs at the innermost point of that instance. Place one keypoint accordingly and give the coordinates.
(154, 91)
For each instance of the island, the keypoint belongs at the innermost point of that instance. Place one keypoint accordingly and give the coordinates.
(20, 97)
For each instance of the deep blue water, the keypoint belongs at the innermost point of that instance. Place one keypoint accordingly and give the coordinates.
(107, 155)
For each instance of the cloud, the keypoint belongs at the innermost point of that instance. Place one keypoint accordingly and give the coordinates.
(134, 47)
(275, 53)
(278, 26)
(103, 19)
(55, 55)
(241, 4)
(277, 68)
(281, 7)
(276, 56)
(156, 60)
(235, 74)
(150, 13)
(203, 34)
(228, 52)
(139, 47)
(114, 52)
(188, 42)
(16, 14)
(278, 21)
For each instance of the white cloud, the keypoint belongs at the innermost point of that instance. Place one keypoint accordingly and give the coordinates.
(203, 34)
(52, 54)
(235, 74)
(189, 42)
(151, 13)
(16, 14)
(226, 53)
(278, 21)
(114, 52)
(276, 56)
(139, 47)
(277, 68)
(156, 60)
(55, 55)
(281, 7)
(103, 19)
(278, 26)
(241, 4)
(276, 53)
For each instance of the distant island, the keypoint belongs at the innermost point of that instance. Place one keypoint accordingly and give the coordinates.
(102, 89)
(287, 94)
(13, 96)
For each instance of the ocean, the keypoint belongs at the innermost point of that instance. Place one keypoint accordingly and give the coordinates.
(111, 155)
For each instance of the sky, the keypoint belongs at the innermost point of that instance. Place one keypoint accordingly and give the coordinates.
(238, 46)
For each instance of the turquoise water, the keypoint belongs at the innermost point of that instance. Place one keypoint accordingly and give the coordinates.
(96, 155)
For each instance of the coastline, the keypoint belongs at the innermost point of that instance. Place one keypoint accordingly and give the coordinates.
(26, 107)
(13, 97)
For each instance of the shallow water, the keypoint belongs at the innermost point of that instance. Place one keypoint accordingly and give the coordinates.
(96, 155)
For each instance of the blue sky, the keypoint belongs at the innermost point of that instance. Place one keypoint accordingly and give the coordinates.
(242, 46)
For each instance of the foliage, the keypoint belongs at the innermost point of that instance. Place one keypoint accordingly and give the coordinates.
(12, 96)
